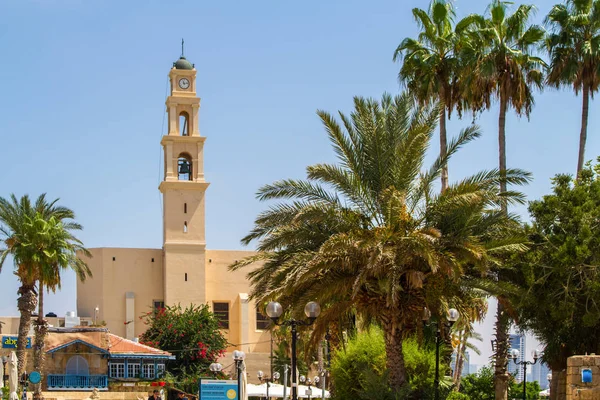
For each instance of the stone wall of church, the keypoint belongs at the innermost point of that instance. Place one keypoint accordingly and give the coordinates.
(124, 286)
(232, 287)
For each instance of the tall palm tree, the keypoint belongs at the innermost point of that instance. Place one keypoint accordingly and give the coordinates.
(502, 65)
(574, 48)
(431, 63)
(369, 236)
(53, 249)
(16, 232)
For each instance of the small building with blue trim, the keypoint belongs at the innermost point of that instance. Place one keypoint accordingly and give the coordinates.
(87, 358)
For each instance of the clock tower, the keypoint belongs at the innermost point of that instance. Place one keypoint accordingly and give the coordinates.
(183, 189)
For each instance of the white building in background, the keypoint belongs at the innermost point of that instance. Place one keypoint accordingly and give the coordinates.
(517, 341)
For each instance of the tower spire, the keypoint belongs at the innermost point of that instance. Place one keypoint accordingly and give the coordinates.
(182, 48)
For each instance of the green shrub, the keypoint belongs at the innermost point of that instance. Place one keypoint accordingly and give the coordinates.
(457, 396)
(359, 371)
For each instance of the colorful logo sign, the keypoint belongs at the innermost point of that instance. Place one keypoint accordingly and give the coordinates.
(212, 389)
(10, 342)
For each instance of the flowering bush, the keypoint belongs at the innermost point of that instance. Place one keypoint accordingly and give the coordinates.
(192, 335)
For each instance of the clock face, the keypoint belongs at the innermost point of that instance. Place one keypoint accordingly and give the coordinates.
(184, 83)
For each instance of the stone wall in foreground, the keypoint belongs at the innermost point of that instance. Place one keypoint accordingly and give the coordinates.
(577, 390)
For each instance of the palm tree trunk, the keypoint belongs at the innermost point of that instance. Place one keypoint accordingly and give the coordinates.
(501, 354)
(502, 321)
(26, 304)
(443, 147)
(502, 147)
(394, 355)
(558, 385)
(584, 123)
(460, 362)
(459, 370)
(38, 350)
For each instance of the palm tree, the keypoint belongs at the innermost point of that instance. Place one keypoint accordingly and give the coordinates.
(503, 66)
(574, 48)
(16, 232)
(431, 64)
(368, 235)
(53, 249)
(464, 332)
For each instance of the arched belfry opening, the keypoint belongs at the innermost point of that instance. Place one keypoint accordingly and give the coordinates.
(184, 124)
(184, 167)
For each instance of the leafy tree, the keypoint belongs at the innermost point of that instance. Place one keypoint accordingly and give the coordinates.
(431, 63)
(369, 236)
(16, 235)
(191, 334)
(479, 386)
(532, 390)
(574, 48)
(501, 65)
(562, 305)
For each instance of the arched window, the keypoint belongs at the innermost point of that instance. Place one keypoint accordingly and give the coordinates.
(77, 365)
(184, 125)
(184, 168)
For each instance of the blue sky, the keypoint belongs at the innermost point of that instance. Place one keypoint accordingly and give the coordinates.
(84, 84)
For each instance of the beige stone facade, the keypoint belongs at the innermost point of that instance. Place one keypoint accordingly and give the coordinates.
(127, 283)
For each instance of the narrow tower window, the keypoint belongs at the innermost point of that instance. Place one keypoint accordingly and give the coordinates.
(185, 208)
(184, 125)
(185, 227)
(184, 168)
(185, 277)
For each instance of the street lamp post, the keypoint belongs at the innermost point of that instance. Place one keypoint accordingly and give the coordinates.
(308, 382)
(312, 311)
(549, 377)
(215, 368)
(515, 355)
(262, 378)
(238, 357)
(452, 316)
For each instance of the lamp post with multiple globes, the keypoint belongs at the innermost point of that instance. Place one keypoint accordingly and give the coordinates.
(515, 355)
(238, 357)
(215, 368)
(312, 311)
(308, 382)
(452, 316)
(262, 378)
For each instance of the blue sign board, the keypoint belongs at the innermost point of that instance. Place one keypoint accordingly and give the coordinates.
(35, 377)
(212, 389)
(10, 342)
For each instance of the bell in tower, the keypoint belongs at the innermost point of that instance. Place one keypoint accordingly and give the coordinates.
(184, 169)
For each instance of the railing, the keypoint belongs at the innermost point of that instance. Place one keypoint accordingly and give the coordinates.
(77, 382)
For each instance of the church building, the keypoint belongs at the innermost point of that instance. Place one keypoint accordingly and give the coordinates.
(129, 282)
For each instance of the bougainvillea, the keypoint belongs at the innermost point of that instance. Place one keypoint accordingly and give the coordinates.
(191, 334)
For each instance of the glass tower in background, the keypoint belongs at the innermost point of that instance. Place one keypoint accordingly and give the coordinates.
(539, 373)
